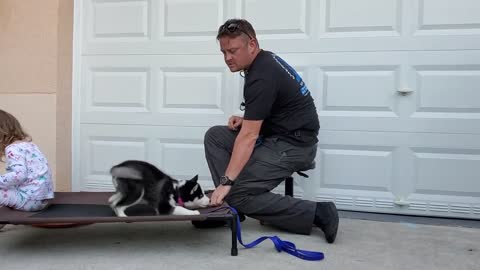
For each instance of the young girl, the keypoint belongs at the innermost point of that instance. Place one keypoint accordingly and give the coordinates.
(27, 184)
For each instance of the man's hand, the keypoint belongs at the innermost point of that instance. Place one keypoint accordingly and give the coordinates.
(235, 122)
(219, 194)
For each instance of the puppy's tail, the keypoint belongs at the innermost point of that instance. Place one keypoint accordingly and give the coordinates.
(125, 172)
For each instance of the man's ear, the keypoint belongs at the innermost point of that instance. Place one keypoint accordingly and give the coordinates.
(252, 45)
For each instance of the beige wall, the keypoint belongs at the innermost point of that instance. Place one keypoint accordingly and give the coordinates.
(35, 75)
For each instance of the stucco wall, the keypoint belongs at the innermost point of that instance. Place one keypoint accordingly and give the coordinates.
(35, 75)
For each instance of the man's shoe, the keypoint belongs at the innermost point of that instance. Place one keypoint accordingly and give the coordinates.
(326, 218)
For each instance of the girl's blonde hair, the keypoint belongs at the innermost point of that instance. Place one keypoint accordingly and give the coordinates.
(10, 131)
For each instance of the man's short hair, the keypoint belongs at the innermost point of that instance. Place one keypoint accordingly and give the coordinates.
(236, 27)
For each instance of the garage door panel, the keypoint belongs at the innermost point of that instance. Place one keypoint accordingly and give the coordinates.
(351, 87)
(447, 171)
(117, 89)
(178, 156)
(360, 89)
(445, 93)
(177, 151)
(447, 17)
(354, 167)
(100, 153)
(291, 19)
(357, 170)
(184, 90)
(344, 18)
(449, 89)
(180, 19)
(157, 90)
(113, 21)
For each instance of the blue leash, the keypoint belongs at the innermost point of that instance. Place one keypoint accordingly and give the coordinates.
(280, 245)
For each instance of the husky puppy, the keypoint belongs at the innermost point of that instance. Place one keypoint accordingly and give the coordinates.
(139, 182)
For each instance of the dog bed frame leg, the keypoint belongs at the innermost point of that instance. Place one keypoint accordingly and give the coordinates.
(289, 186)
(233, 227)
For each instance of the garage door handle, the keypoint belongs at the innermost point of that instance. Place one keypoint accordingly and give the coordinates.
(405, 91)
(401, 202)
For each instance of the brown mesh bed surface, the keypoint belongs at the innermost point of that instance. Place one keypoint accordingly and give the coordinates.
(92, 207)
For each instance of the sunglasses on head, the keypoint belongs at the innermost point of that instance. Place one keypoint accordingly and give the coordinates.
(232, 28)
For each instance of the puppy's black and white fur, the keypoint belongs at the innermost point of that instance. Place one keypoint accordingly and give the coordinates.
(139, 182)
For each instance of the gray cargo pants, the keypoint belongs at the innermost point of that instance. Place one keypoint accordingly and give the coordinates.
(271, 162)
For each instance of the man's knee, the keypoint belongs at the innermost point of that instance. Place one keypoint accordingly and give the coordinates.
(213, 133)
(238, 200)
(219, 137)
(237, 203)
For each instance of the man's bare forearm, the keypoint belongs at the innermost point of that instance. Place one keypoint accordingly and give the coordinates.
(242, 151)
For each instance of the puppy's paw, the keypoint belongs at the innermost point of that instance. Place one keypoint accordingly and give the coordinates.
(119, 211)
(115, 198)
(191, 212)
(178, 210)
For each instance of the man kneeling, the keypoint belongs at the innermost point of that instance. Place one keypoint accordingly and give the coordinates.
(276, 137)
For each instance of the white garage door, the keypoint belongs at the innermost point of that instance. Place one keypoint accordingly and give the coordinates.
(396, 84)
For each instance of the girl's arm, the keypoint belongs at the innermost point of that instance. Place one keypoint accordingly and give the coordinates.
(16, 168)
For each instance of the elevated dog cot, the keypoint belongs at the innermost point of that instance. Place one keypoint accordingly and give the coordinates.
(77, 208)
(92, 207)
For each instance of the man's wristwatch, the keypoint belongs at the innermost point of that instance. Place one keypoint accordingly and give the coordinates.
(225, 181)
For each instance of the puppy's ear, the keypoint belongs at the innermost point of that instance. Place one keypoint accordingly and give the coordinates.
(194, 179)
